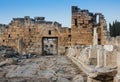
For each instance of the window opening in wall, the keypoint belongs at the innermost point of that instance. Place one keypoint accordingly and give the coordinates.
(75, 22)
(97, 19)
(99, 41)
(49, 32)
(69, 36)
(29, 30)
(51, 46)
(9, 36)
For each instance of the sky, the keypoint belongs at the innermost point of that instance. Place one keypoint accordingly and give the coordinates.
(56, 10)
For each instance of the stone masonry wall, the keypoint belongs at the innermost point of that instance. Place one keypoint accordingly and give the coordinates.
(25, 34)
(83, 23)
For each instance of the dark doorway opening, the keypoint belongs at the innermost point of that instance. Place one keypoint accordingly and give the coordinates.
(75, 20)
(49, 46)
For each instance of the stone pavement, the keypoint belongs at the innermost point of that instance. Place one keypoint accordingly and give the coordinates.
(42, 69)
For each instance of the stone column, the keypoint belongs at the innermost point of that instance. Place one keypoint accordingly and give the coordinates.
(93, 55)
(100, 56)
(90, 54)
(105, 58)
(95, 36)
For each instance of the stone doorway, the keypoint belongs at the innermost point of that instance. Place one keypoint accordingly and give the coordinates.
(49, 46)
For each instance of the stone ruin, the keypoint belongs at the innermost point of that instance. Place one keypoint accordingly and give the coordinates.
(38, 36)
(87, 43)
(99, 62)
(84, 24)
(35, 36)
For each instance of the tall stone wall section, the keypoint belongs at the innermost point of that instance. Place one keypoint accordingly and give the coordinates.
(83, 24)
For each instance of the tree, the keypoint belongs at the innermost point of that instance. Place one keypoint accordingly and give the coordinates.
(114, 28)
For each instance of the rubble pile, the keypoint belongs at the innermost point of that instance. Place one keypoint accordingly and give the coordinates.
(8, 56)
(8, 52)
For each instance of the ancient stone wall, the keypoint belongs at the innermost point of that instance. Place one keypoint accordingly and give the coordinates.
(25, 34)
(83, 24)
(38, 36)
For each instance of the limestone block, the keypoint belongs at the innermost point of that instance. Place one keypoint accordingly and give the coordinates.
(108, 47)
(78, 78)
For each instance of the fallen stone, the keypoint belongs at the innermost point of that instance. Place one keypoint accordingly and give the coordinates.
(61, 79)
(78, 78)
(46, 73)
(7, 62)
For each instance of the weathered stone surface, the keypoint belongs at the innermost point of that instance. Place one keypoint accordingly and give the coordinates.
(78, 78)
(60, 79)
(54, 68)
(37, 36)
(28, 34)
(21, 79)
(2, 74)
(8, 61)
(108, 47)
(8, 52)
(106, 64)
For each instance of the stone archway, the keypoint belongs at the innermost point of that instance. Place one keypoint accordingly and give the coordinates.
(49, 45)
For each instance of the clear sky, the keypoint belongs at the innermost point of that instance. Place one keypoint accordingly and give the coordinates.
(56, 10)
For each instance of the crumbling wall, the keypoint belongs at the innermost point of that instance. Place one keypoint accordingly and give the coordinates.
(25, 34)
(83, 24)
